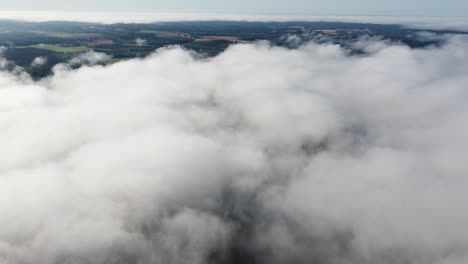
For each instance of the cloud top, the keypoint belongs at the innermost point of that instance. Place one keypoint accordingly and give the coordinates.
(38, 62)
(261, 154)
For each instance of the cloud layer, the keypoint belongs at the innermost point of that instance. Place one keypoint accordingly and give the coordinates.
(38, 62)
(259, 155)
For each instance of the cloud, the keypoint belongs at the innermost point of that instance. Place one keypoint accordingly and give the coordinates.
(425, 36)
(89, 58)
(141, 42)
(293, 40)
(38, 62)
(370, 44)
(3, 62)
(259, 155)
(7, 65)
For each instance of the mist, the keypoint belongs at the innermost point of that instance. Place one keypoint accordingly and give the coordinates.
(259, 155)
(416, 22)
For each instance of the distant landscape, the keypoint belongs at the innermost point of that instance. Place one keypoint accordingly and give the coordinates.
(58, 42)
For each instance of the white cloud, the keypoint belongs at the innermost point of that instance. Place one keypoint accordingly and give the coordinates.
(38, 62)
(290, 156)
(425, 36)
(293, 40)
(3, 62)
(371, 44)
(7, 65)
(89, 58)
(141, 42)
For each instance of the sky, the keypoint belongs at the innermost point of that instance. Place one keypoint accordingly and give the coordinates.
(448, 8)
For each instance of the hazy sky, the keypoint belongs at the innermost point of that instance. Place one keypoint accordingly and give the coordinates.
(318, 7)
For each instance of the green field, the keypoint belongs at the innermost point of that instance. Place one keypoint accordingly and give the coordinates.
(165, 34)
(61, 49)
(62, 35)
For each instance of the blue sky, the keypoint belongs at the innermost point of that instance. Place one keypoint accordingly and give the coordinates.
(316, 7)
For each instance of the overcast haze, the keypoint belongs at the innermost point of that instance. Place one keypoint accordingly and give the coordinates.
(318, 7)
(321, 153)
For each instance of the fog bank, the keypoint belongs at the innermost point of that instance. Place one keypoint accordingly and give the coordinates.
(259, 155)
